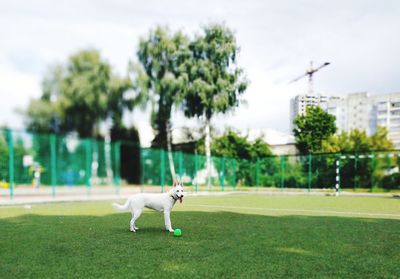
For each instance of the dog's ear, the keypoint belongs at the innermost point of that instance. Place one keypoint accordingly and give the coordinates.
(174, 183)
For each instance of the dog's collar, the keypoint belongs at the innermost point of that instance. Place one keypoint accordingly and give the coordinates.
(172, 196)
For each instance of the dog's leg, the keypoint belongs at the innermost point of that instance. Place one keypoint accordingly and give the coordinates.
(135, 215)
(132, 225)
(167, 221)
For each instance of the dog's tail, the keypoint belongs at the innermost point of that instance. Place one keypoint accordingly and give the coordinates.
(121, 207)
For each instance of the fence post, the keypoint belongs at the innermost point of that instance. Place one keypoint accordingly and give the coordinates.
(117, 158)
(141, 170)
(180, 164)
(53, 162)
(88, 164)
(94, 172)
(282, 172)
(162, 170)
(234, 173)
(10, 162)
(337, 186)
(373, 161)
(309, 172)
(257, 173)
(196, 168)
(355, 172)
(222, 174)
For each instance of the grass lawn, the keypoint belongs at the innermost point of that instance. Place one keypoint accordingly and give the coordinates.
(233, 236)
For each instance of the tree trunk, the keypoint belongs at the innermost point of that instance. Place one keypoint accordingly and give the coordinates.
(169, 146)
(208, 153)
(95, 163)
(107, 157)
(95, 153)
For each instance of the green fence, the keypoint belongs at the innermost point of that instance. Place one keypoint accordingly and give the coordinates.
(46, 160)
(191, 168)
(378, 170)
(52, 160)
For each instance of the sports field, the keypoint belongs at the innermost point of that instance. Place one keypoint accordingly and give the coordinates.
(231, 236)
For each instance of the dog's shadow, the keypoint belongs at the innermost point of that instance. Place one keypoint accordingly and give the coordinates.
(151, 230)
(154, 230)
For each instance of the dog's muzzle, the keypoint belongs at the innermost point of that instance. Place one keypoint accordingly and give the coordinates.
(180, 198)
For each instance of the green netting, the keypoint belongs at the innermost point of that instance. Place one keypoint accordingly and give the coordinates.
(323, 171)
(36, 160)
(52, 160)
(4, 158)
(270, 172)
(186, 169)
(296, 172)
(152, 166)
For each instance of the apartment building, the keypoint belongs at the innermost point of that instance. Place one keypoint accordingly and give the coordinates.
(357, 111)
(299, 104)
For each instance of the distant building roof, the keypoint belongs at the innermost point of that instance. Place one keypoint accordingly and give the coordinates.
(270, 136)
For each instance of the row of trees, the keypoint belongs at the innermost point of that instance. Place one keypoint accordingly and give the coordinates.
(198, 75)
(315, 133)
(246, 153)
(233, 162)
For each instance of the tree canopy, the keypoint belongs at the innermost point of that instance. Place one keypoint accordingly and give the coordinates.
(79, 95)
(357, 141)
(215, 80)
(233, 145)
(160, 76)
(312, 128)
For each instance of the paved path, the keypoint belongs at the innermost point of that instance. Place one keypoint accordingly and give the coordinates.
(28, 195)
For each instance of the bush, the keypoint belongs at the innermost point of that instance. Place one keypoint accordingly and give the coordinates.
(391, 181)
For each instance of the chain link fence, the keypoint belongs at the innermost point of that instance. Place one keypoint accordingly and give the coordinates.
(48, 160)
(29, 160)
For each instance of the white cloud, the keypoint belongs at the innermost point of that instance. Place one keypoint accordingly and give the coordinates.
(16, 90)
(277, 40)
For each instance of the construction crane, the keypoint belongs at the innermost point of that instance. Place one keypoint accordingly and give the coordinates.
(310, 72)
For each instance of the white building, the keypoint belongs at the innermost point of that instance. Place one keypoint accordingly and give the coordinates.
(387, 114)
(299, 104)
(280, 143)
(357, 111)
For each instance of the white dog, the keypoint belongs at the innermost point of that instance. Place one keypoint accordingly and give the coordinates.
(160, 202)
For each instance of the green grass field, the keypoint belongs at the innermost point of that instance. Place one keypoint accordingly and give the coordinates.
(233, 236)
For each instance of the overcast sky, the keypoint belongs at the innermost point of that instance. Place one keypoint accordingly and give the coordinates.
(277, 41)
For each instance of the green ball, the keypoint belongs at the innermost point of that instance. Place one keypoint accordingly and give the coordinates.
(177, 232)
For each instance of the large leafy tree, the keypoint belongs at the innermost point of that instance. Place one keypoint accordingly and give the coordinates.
(78, 96)
(312, 128)
(161, 77)
(85, 89)
(215, 79)
(44, 114)
(119, 100)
